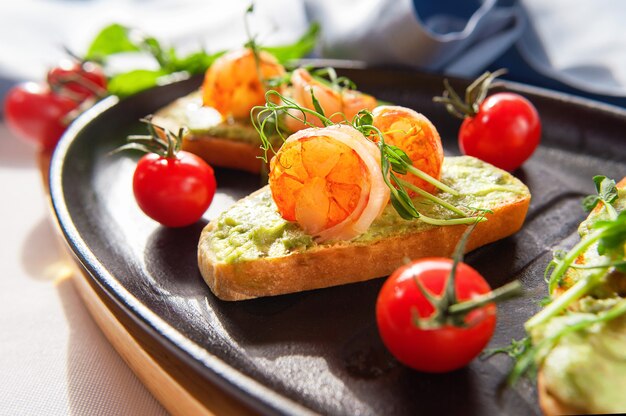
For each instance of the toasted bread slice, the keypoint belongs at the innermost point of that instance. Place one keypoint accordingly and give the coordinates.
(228, 143)
(550, 404)
(552, 397)
(250, 251)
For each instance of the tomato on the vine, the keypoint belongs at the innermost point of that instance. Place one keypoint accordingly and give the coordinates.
(171, 186)
(35, 113)
(438, 347)
(504, 132)
(503, 129)
(175, 191)
(78, 80)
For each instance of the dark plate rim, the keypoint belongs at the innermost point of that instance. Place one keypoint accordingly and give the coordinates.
(249, 391)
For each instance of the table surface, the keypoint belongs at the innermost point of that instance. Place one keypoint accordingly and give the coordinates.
(54, 360)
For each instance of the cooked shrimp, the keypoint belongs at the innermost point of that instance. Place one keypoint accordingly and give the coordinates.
(416, 135)
(232, 85)
(329, 181)
(338, 105)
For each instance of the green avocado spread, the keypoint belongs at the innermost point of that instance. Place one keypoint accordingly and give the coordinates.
(587, 368)
(189, 112)
(252, 228)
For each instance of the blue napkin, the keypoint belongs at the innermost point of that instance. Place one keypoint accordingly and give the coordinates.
(568, 45)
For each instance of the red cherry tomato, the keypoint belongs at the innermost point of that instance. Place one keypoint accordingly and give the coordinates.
(505, 132)
(175, 191)
(443, 348)
(33, 112)
(78, 81)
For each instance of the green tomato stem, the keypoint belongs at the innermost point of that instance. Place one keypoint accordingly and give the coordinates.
(507, 291)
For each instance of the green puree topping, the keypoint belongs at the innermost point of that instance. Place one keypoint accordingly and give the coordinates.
(252, 228)
(587, 369)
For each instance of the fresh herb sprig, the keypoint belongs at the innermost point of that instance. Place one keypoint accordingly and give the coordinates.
(609, 238)
(117, 39)
(328, 76)
(394, 161)
(606, 194)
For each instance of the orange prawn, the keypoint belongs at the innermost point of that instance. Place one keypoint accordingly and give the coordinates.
(338, 104)
(233, 84)
(329, 181)
(417, 136)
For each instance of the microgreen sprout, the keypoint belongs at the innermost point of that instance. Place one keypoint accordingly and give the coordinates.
(606, 194)
(394, 161)
(328, 76)
(252, 44)
(514, 350)
(608, 238)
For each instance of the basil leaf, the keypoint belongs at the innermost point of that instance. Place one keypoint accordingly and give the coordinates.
(129, 83)
(195, 63)
(111, 40)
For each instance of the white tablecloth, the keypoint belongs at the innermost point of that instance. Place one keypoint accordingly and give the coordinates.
(53, 358)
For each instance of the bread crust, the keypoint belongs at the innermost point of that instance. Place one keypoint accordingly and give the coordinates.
(550, 404)
(348, 262)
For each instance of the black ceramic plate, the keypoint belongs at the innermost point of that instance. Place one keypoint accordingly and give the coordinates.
(319, 351)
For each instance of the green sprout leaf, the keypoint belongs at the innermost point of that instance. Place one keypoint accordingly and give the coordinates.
(194, 63)
(403, 205)
(319, 109)
(113, 39)
(475, 94)
(613, 236)
(393, 160)
(606, 193)
(129, 83)
(398, 159)
(606, 188)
